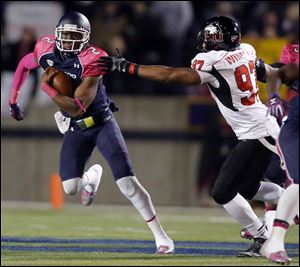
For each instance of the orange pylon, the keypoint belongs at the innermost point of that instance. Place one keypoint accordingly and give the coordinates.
(56, 191)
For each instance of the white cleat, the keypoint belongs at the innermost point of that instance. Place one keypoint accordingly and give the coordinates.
(279, 257)
(88, 193)
(165, 246)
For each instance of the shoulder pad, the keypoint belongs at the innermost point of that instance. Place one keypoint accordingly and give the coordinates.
(88, 59)
(201, 62)
(249, 49)
(45, 44)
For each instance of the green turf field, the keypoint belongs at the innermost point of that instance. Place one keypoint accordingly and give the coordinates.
(34, 235)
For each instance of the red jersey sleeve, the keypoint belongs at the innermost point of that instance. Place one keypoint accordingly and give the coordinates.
(88, 59)
(45, 44)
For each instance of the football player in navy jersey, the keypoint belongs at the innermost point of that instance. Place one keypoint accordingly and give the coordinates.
(288, 146)
(227, 66)
(276, 171)
(87, 119)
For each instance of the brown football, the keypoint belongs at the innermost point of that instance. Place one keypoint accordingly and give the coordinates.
(62, 82)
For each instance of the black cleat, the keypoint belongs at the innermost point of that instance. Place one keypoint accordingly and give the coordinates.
(254, 249)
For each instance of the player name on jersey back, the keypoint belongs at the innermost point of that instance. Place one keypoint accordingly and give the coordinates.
(231, 78)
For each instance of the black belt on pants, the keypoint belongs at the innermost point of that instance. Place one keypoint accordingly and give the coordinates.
(95, 120)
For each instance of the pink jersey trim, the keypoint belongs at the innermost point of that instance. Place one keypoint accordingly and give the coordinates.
(44, 45)
(26, 64)
(280, 153)
(88, 60)
(79, 104)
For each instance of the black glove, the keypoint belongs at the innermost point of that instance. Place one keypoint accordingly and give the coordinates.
(16, 112)
(119, 63)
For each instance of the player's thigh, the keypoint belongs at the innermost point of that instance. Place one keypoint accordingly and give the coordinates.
(112, 145)
(75, 152)
(257, 166)
(289, 148)
(230, 177)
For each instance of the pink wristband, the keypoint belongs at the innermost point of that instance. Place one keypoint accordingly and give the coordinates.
(49, 90)
(78, 103)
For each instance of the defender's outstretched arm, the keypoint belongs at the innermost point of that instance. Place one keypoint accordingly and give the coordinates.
(159, 73)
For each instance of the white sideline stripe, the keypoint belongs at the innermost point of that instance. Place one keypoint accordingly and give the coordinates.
(175, 209)
(38, 226)
(205, 218)
(126, 229)
(165, 213)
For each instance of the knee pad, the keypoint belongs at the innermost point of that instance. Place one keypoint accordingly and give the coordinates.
(130, 187)
(72, 186)
(268, 192)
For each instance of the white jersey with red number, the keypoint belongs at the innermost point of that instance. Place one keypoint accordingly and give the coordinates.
(231, 78)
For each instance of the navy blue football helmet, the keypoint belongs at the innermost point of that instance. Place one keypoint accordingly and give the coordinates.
(219, 33)
(72, 32)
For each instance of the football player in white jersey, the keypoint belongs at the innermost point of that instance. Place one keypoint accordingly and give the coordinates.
(228, 68)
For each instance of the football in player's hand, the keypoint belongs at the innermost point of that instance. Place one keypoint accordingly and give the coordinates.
(62, 82)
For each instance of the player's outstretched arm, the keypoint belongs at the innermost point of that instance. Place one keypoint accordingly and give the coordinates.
(286, 73)
(153, 72)
(26, 64)
(166, 74)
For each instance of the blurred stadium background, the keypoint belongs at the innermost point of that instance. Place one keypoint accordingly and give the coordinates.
(176, 137)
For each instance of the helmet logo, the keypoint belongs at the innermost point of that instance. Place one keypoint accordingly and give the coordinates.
(211, 29)
(213, 32)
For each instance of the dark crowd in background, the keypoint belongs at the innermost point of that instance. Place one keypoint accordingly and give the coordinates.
(159, 32)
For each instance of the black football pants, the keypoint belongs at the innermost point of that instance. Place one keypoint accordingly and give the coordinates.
(242, 171)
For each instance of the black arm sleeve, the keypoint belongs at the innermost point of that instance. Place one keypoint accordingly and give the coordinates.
(260, 70)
